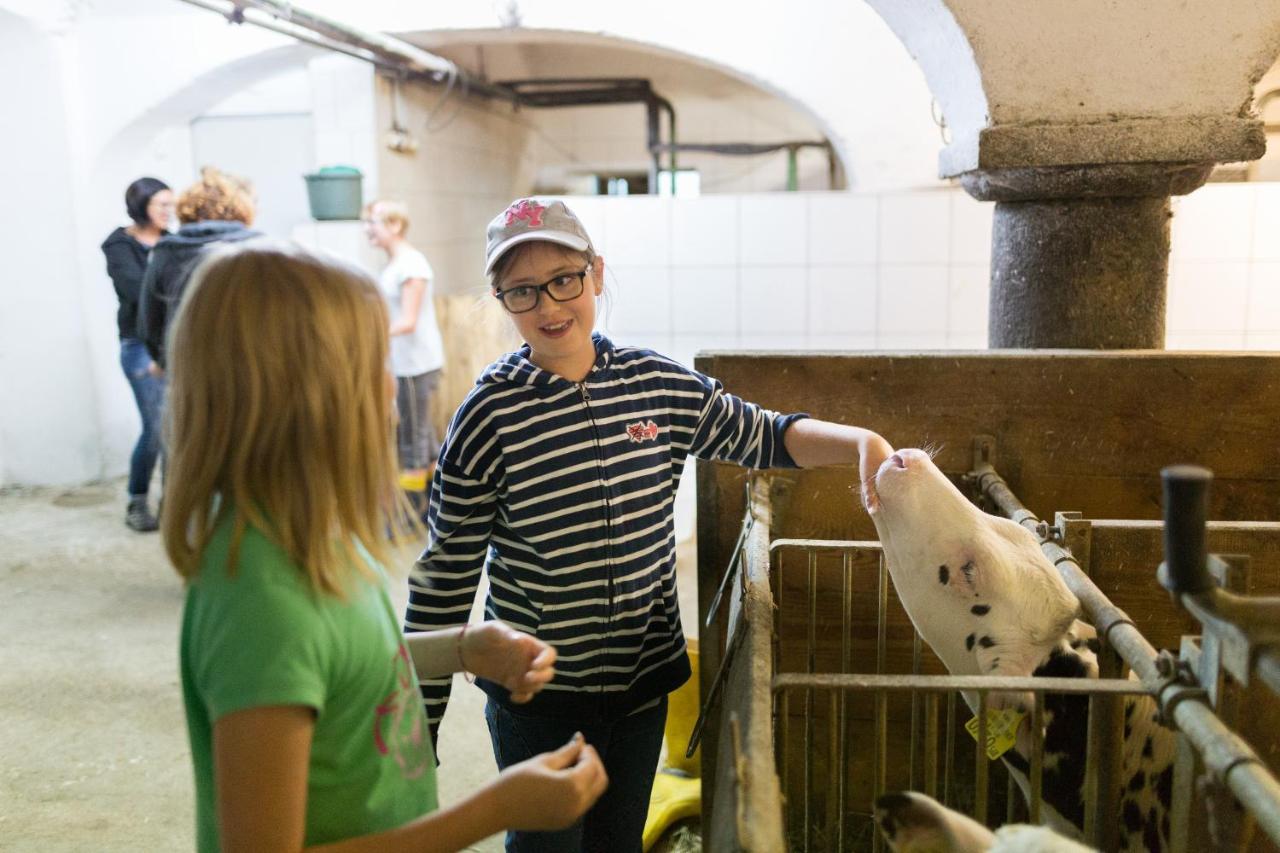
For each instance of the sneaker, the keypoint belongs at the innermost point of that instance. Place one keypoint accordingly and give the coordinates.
(138, 517)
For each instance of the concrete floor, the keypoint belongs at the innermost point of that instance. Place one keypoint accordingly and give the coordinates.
(93, 746)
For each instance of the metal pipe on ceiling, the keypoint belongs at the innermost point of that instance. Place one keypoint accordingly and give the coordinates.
(392, 55)
(239, 15)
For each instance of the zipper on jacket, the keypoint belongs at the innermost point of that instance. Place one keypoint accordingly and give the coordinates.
(608, 524)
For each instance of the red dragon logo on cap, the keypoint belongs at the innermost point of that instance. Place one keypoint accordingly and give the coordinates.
(527, 209)
(642, 431)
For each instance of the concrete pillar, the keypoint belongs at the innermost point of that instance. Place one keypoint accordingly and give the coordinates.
(1080, 254)
(1080, 122)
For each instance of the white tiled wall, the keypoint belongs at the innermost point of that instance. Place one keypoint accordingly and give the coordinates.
(1224, 269)
(794, 270)
(903, 270)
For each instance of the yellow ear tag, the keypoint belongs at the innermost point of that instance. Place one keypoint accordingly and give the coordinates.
(1002, 730)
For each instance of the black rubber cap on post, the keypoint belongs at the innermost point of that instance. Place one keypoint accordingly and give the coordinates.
(1186, 509)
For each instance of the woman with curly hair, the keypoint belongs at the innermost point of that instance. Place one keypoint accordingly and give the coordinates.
(218, 208)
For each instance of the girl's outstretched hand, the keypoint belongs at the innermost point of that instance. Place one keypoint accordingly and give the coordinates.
(872, 451)
(552, 790)
(500, 653)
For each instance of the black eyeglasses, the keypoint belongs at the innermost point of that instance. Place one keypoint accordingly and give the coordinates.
(524, 297)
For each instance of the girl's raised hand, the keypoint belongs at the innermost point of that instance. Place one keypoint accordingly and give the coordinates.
(552, 790)
(500, 653)
(872, 451)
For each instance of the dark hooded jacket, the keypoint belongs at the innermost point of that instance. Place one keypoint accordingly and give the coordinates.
(168, 271)
(126, 262)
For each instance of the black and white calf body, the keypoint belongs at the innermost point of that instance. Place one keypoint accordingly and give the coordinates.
(984, 597)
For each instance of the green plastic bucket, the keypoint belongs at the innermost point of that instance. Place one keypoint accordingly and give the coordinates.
(335, 192)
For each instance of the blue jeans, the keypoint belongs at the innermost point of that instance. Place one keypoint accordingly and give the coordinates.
(629, 749)
(148, 392)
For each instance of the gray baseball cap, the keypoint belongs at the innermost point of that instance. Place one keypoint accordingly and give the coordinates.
(529, 219)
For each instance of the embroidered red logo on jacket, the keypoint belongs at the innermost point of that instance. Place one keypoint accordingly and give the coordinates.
(642, 431)
(526, 209)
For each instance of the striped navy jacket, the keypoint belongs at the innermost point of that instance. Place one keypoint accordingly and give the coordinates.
(567, 490)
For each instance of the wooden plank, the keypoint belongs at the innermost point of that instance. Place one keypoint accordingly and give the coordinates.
(1087, 431)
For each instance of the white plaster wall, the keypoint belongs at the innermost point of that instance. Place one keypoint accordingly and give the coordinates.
(48, 400)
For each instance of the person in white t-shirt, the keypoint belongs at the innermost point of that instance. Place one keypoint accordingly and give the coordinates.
(417, 352)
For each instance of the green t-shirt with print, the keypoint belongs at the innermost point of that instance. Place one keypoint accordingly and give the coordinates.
(264, 637)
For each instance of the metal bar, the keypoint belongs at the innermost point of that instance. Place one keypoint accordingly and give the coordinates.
(671, 133)
(916, 648)
(411, 58)
(946, 683)
(1010, 799)
(931, 744)
(655, 163)
(882, 698)
(948, 757)
(1182, 795)
(1037, 758)
(734, 560)
(826, 544)
(1224, 752)
(786, 740)
(237, 15)
(981, 770)
(1094, 810)
(716, 686)
(846, 663)
(811, 643)
(834, 809)
(739, 149)
(1110, 711)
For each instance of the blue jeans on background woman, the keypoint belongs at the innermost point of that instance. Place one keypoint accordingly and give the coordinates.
(148, 392)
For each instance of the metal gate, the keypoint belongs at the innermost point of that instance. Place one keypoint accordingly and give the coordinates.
(817, 730)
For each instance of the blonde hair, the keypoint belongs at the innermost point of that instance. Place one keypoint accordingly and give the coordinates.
(217, 196)
(278, 413)
(394, 213)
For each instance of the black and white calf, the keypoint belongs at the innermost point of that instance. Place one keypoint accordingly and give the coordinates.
(984, 597)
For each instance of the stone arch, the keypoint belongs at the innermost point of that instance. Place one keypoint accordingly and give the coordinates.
(1162, 84)
(631, 53)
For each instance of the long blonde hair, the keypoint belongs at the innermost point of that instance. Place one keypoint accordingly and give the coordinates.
(278, 413)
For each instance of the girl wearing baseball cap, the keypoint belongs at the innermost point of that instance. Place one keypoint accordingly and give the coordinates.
(560, 471)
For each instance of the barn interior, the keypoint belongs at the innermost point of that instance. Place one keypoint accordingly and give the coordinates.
(1048, 229)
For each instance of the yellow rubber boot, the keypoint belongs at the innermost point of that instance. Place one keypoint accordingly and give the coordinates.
(682, 715)
(677, 790)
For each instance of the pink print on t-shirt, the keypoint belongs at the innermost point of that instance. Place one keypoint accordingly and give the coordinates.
(399, 725)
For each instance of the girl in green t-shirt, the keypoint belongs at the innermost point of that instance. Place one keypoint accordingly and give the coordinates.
(301, 693)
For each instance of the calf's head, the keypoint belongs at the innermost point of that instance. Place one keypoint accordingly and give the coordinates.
(977, 587)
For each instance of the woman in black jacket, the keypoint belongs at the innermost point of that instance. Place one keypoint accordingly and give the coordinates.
(218, 208)
(149, 203)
